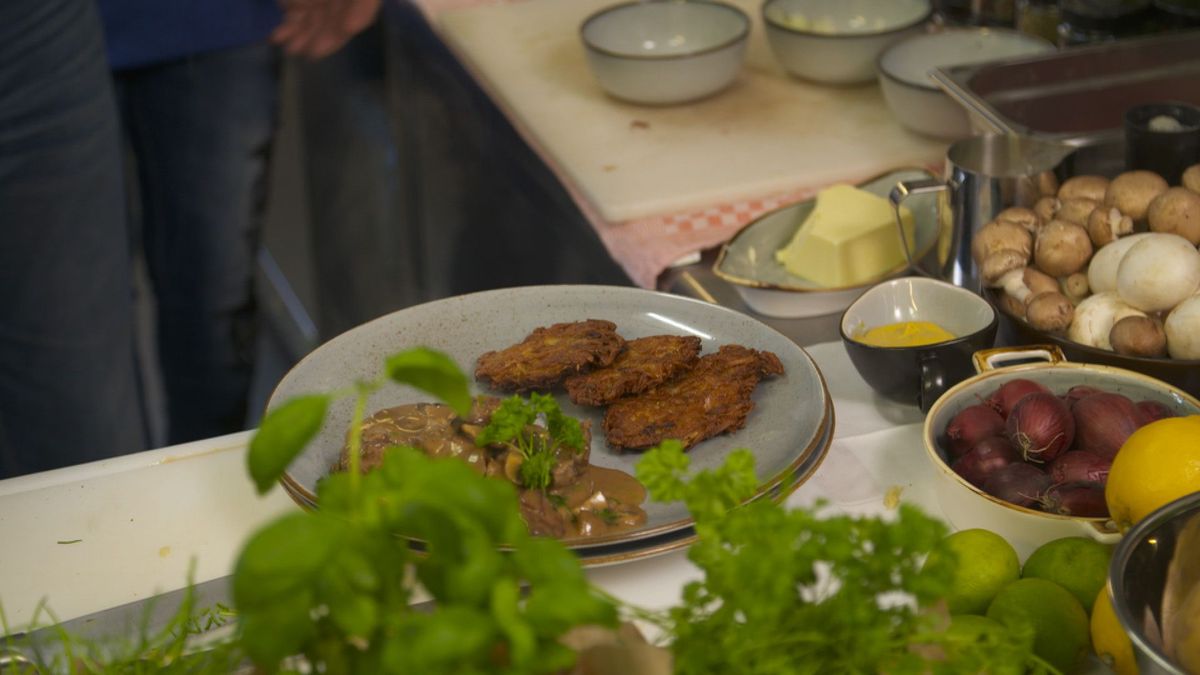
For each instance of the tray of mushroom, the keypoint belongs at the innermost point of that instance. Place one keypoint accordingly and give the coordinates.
(1107, 265)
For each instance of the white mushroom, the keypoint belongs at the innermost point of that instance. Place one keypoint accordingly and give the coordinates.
(1094, 319)
(1183, 329)
(1102, 271)
(1158, 272)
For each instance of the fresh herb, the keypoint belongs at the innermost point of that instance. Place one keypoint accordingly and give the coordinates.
(795, 591)
(332, 585)
(515, 423)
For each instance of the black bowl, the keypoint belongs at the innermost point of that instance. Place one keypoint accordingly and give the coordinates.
(1183, 373)
(918, 375)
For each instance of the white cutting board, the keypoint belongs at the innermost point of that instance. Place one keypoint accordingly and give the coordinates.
(767, 133)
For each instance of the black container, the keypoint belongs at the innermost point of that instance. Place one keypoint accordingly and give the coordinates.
(1165, 152)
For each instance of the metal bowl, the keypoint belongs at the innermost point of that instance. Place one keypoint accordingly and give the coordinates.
(1154, 572)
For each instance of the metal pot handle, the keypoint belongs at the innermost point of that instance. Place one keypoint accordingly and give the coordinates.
(993, 359)
(902, 191)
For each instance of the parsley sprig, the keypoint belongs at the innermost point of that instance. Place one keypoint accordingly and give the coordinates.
(515, 423)
(800, 591)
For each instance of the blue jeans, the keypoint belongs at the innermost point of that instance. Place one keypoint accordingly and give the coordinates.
(201, 129)
(68, 390)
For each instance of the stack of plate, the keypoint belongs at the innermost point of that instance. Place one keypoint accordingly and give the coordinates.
(789, 430)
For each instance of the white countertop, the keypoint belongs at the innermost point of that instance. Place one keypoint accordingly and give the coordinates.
(98, 535)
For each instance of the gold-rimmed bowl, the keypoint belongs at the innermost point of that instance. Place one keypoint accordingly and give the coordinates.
(665, 51)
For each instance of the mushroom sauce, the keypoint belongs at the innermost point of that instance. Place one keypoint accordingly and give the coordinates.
(582, 501)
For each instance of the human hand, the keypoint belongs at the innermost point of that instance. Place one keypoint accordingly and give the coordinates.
(318, 28)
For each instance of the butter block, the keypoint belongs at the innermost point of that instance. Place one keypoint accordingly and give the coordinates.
(848, 239)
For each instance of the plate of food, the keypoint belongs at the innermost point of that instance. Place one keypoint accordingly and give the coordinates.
(635, 367)
(816, 256)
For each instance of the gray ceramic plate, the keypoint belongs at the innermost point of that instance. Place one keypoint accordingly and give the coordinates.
(748, 259)
(788, 427)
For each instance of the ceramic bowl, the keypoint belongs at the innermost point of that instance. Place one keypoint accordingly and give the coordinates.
(837, 41)
(665, 51)
(914, 98)
(918, 375)
(967, 506)
(1153, 586)
(747, 261)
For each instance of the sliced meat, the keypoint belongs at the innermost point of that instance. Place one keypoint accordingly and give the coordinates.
(549, 354)
(644, 363)
(712, 398)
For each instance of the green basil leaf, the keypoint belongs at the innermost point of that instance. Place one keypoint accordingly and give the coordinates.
(432, 372)
(284, 557)
(282, 436)
(275, 631)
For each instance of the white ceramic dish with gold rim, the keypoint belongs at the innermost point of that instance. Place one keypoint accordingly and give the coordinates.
(747, 260)
(967, 506)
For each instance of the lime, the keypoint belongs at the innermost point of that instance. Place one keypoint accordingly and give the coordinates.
(979, 563)
(1109, 640)
(1060, 625)
(974, 629)
(1078, 564)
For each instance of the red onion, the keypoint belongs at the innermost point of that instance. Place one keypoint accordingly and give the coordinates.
(1152, 411)
(1103, 421)
(1018, 483)
(1081, 498)
(988, 455)
(1041, 427)
(971, 425)
(1078, 392)
(1079, 466)
(1004, 399)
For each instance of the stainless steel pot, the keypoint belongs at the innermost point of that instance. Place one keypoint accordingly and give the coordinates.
(1154, 580)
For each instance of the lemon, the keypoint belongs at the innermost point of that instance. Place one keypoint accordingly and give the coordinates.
(1109, 640)
(979, 563)
(1158, 463)
(1060, 626)
(1078, 564)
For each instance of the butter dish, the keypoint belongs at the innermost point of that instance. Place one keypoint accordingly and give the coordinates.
(748, 261)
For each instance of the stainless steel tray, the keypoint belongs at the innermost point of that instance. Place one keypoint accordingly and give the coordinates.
(1079, 95)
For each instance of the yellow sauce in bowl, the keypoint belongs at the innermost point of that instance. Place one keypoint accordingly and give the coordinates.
(906, 334)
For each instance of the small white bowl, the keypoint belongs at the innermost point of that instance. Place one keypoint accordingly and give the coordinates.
(912, 95)
(838, 41)
(665, 51)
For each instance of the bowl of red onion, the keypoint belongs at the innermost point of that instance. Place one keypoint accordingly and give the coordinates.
(1024, 450)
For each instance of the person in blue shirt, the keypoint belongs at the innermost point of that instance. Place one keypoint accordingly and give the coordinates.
(190, 88)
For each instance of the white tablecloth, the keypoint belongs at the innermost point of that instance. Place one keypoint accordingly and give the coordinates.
(98, 535)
